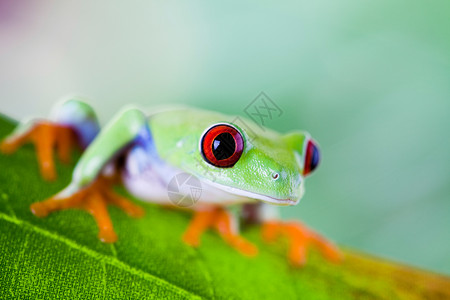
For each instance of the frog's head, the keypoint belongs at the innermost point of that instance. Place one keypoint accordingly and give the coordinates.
(266, 166)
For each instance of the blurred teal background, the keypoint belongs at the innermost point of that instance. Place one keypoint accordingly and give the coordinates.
(369, 80)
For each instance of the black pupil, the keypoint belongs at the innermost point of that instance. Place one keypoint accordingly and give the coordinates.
(223, 146)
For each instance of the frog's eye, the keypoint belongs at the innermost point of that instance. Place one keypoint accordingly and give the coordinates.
(312, 157)
(222, 145)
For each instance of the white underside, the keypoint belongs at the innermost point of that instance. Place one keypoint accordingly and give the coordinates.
(150, 188)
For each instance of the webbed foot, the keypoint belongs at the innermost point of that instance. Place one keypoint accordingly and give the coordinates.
(224, 223)
(300, 238)
(46, 136)
(93, 199)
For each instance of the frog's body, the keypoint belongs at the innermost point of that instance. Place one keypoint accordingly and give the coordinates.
(234, 165)
(174, 136)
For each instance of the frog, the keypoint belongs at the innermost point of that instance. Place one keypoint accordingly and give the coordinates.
(245, 171)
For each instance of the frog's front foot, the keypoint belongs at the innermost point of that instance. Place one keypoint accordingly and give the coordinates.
(93, 199)
(46, 136)
(224, 223)
(299, 238)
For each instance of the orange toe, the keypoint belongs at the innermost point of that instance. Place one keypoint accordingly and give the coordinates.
(46, 136)
(297, 252)
(107, 236)
(65, 141)
(244, 246)
(39, 209)
(7, 147)
(134, 211)
(201, 221)
(191, 239)
(130, 208)
(219, 219)
(300, 238)
(14, 142)
(328, 248)
(48, 171)
(270, 231)
(93, 199)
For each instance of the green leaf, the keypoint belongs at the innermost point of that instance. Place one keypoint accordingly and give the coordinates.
(60, 256)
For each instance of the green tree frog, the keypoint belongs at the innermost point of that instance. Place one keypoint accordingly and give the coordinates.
(250, 167)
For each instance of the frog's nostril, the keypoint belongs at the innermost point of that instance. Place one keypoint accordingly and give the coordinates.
(275, 176)
(312, 158)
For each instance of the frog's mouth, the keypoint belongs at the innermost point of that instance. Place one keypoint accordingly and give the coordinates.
(267, 199)
(256, 196)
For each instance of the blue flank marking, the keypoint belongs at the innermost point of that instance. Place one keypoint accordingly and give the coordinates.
(144, 150)
(87, 131)
(146, 141)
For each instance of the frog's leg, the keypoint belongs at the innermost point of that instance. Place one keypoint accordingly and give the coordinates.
(299, 236)
(224, 222)
(73, 124)
(95, 174)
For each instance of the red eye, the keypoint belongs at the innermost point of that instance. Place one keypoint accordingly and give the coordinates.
(222, 145)
(312, 157)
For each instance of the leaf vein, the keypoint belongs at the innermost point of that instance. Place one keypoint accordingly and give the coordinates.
(205, 270)
(104, 258)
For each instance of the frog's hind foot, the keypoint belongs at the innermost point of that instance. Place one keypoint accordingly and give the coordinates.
(46, 136)
(224, 223)
(300, 238)
(94, 199)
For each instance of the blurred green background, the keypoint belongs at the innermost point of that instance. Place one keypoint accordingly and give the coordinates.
(369, 80)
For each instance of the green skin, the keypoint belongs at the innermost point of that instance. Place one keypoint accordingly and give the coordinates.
(176, 134)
